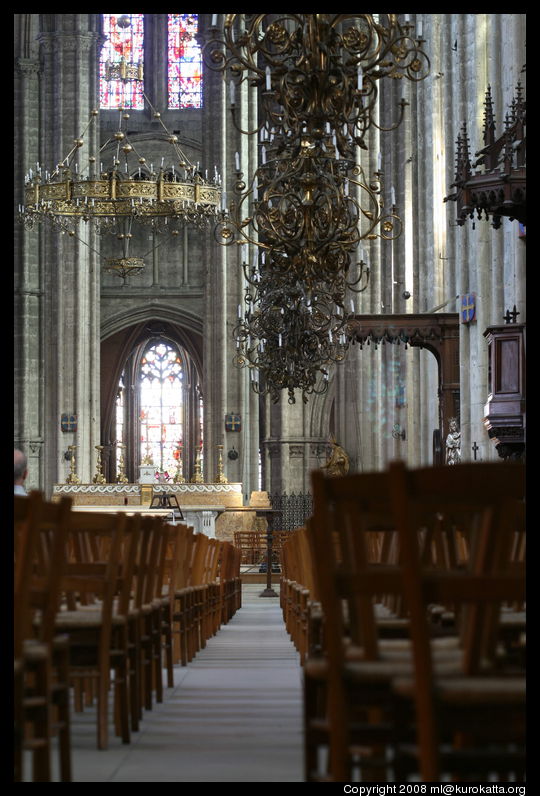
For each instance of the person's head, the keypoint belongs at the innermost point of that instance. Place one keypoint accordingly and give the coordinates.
(20, 466)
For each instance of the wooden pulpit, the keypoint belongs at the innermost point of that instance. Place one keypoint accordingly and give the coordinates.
(504, 412)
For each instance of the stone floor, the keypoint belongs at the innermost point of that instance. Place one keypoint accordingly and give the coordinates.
(234, 715)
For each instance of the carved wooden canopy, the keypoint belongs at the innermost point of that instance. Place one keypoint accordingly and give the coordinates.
(499, 188)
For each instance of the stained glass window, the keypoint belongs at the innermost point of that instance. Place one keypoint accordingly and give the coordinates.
(124, 40)
(184, 81)
(161, 398)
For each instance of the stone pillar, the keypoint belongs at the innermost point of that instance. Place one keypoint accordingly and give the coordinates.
(227, 388)
(28, 298)
(70, 322)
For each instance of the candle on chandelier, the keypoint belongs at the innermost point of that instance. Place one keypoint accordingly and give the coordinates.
(214, 20)
(360, 78)
(393, 196)
(268, 80)
(237, 161)
(232, 92)
(419, 29)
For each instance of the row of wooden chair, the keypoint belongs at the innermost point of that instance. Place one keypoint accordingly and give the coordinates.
(106, 601)
(419, 578)
(298, 595)
(253, 546)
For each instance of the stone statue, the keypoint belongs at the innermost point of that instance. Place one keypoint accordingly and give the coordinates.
(453, 442)
(338, 463)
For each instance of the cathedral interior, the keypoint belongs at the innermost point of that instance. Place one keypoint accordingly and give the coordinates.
(234, 267)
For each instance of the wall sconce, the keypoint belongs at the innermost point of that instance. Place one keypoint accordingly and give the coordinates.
(398, 432)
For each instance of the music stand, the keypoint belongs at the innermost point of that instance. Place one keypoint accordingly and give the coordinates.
(164, 500)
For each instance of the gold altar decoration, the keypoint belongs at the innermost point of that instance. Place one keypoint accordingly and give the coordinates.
(197, 477)
(220, 478)
(99, 478)
(148, 460)
(121, 477)
(179, 475)
(72, 478)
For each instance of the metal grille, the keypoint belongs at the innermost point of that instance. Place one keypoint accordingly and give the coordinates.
(292, 510)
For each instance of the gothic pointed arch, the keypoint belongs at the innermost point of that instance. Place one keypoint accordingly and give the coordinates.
(124, 338)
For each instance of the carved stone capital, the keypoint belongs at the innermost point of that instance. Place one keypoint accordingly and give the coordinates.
(296, 451)
(273, 448)
(68, 41)
(27, 67)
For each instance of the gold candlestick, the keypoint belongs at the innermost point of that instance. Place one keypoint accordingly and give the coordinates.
(197, 475)
(72, 478)
(179, 475)
(99, 478)
(221, 478)
(121, 477)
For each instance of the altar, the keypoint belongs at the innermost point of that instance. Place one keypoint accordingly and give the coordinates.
(216, 510)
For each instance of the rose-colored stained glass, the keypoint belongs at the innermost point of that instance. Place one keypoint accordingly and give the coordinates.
(124, 39)
(184, 79)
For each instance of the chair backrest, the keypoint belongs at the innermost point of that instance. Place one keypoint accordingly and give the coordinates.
(176, 549)
(186, 543)
(198, 563)
(97, 571)
(148, 563)
(41, 529)
(211, 561)
(485, 501)
(347, 511)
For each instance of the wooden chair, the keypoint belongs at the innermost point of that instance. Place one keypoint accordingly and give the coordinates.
(95, 614)
(199, 593)
(147, 607)
(182, 610)
(472, 725)
(252, 545)
(175, 552)
(41, 685)
(228, 576)
(360, 665)
(349, 704)
(212, 617)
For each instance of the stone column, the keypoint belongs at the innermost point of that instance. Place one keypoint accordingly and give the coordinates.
(70, 321)
(28, 299)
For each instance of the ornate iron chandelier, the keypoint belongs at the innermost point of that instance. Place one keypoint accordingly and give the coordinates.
(309, 204)
(310, 210)
(317, 69)
(290, 334)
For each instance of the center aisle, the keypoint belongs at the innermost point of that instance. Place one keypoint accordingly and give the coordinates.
(234, 715)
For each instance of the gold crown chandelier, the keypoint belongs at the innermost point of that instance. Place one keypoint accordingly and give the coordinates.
(118, 186)
(127, 187)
